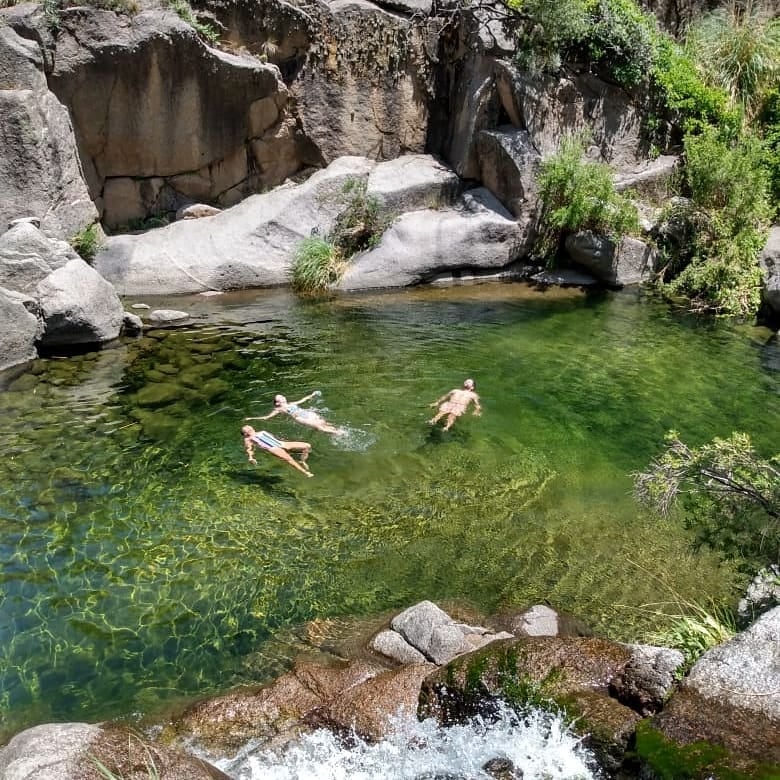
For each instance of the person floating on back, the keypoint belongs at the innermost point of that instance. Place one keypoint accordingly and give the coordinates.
(455, 403)
(281, 449)
(303, 416)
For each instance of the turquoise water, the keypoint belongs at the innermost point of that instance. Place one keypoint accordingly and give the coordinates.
(143, 558)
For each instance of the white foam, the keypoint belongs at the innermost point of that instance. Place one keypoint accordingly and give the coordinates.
(541, 745)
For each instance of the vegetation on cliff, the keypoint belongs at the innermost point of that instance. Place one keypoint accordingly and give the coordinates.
(320, 261)
(713, 95)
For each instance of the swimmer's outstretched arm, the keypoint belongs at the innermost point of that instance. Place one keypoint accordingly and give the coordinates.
(308, 397)
(443, 398)
(268, 416)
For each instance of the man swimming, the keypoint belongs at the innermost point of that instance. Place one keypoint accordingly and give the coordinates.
(281, 449)
(303, 416)
(455, 403)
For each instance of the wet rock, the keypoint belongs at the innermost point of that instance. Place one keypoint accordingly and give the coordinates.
(69, 751)
(393, 645)
(365, 709)
(648, 678)
(132, 324)
(769, 260)
(627, 261)
(502, 769)
(276, 712)
(539, 620)
(167, 316)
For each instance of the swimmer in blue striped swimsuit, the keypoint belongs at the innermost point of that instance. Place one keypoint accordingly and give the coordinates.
(303, 416)
(281, 449)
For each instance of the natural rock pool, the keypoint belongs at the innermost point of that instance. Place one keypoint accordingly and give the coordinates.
(143, 559)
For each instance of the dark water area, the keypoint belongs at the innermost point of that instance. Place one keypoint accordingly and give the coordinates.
(142, 559)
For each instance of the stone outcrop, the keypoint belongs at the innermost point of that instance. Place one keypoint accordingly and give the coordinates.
(72, 303)
(478, 234)
(729, 700)
(71, 751)
(770, 265)
(253, 244)
(19, 329)
(618, 263)
(40, 173)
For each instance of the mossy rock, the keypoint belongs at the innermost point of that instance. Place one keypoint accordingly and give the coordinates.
(158, 394)
(696, 737)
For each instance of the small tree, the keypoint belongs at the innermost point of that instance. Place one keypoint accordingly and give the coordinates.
(729, 494)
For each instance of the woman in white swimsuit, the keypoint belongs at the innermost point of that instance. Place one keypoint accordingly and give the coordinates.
(281, 449)
(303, 416)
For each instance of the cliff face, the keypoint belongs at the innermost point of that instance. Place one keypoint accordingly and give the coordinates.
(161, 119)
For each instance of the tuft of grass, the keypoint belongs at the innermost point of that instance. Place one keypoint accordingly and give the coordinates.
(87, 242)
(688, 626)
(317, 264)
(184, 11)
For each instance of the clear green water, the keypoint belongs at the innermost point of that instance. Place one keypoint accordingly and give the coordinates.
(143, 559)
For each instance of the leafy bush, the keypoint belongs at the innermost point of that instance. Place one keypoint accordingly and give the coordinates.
(358, 226)
(728, 494)
(684, 94)
(87, 242)
(729, 217)
(317, 264)
(577, 194)
(621, 40)
(770, 130)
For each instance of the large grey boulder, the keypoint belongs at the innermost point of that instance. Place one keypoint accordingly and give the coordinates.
(478, 234)
(251, 244)
(729, 699)
(769, 260)
(69, 751)
(745, 671)
(509, 166)
(40, 173)
(78, 306)
(19, 330)
(622, 262)
(27, 257)
(214, 126)
(74, 304)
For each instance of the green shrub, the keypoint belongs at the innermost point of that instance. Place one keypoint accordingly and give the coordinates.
(695, 629)
(621, 40)
(729, 217)
(684, 94)
(358, 226)
(317, 264)
(87, 242)
(770, 130)
(727, 493)
(577, 194)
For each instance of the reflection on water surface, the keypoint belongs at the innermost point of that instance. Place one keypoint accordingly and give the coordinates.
(144, 559)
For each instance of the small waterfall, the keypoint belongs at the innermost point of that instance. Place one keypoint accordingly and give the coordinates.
(540, 745)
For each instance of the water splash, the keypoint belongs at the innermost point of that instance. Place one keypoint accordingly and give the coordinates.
(540, 745)
(353, 439)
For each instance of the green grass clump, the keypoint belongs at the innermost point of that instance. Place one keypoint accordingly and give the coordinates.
(317, 265)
